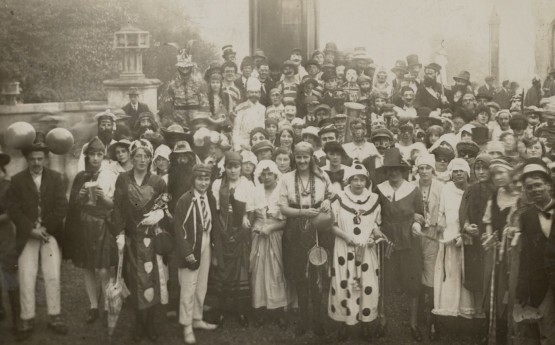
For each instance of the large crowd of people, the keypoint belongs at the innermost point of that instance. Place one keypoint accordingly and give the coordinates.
(292, 196)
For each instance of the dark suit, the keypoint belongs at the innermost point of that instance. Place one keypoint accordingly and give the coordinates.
(24, 204)
(503, 98)
(128, 108)
(188, 235)
(486, 90)
(536, 258)
(242, 88)
(423, 98)
(267, 86)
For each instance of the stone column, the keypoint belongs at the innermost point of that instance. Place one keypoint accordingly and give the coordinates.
(494, 44)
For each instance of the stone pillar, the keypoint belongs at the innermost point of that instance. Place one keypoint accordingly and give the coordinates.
(494, 44)
(131, 42)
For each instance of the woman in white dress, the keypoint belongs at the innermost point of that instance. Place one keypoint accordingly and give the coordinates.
(451, 298)
(268, 285)
(354, 287)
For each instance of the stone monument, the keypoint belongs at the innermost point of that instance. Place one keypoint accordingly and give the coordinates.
(132, 42)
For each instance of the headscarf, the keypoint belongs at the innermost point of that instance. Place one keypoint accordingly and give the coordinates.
(263, 165)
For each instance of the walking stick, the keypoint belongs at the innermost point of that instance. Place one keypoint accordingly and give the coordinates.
(382, 282)
(492, 329)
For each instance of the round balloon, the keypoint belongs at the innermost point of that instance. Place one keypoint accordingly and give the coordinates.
(59, 141)
(19, 135)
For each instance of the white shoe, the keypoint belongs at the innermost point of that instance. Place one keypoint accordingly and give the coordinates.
(189, 335)
(200, 324)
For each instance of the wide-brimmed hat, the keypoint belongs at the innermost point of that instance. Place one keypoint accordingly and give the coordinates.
(200, 115)
(112, 148)
(182, 146)
(214, 68)
(400, 65)
(412, 60)
(260, 53)
(393, 158)
(463, 76)
(548, 109)
(175, 132)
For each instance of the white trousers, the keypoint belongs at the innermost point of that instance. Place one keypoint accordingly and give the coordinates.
(193, 286)
(49, 256)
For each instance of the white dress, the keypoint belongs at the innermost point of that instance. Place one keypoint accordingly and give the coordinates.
(450, 296)
(354, 287)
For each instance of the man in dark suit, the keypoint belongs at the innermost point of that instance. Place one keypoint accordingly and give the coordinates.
(430, 94)
(246, 67)
(134, 107)
(267, 83)
(502, 96)
(38, 207)
(487, 88)
(537, 258)
(196, 232)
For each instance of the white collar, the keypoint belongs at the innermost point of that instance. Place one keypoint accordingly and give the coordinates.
(405, 189)
(198, 195)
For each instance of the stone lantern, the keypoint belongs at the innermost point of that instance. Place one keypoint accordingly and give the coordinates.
(131, 42)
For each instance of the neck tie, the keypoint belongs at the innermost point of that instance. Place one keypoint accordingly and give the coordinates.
(204, 210)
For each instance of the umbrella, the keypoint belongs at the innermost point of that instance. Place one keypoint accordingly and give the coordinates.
(116, 292)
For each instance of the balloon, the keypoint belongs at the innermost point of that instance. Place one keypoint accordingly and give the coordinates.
(19, 135)
(59, 141)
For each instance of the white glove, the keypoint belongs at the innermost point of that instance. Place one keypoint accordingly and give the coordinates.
(120, 241)
(152, 218)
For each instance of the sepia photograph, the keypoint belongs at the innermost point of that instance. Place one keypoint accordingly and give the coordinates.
(304, 172)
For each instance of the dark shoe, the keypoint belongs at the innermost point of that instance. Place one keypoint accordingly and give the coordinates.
(15, 309)
(243, 321)
(25, 329)
(57, 325)
(415, 333)
(282, 323)
(92, 315)
(381, 330)
(342, 333)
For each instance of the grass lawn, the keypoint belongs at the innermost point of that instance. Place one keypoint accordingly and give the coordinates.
(454, 331)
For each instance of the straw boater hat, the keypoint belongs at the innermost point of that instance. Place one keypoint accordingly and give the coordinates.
(535, 165)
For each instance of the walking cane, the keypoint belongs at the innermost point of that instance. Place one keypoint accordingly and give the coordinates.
(382, 282)
(492, 329)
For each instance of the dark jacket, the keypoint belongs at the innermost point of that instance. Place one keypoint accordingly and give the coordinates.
(188, 235)
(242, 88)
(24, 204)
(267, 86)
(141, 108)
(536, 257)
(503, 98)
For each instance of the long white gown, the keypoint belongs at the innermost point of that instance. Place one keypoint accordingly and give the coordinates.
(450, 296)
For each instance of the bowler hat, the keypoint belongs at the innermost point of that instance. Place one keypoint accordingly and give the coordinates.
(260, 53)
(434, 66)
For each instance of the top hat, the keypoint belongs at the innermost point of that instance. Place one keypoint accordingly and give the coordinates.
(412, 60)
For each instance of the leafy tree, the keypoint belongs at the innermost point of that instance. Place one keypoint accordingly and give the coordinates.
(61, 50)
